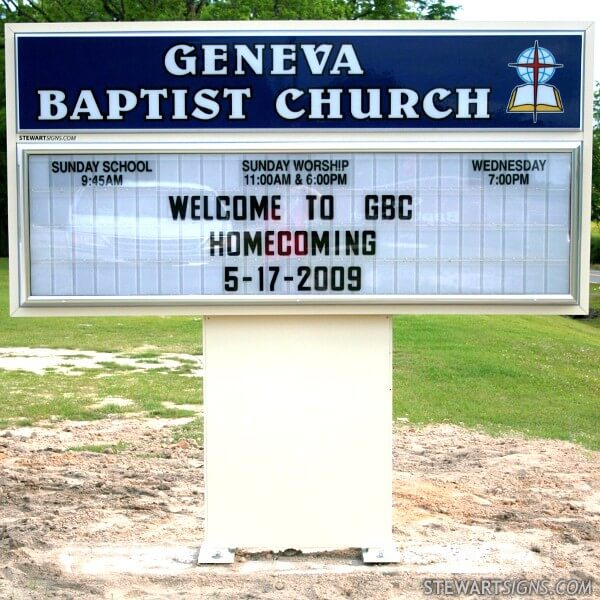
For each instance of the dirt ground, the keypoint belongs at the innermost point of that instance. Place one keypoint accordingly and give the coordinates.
(89, 525)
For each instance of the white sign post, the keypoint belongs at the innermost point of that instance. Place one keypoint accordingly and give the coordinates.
(297, 187)
(298, 442)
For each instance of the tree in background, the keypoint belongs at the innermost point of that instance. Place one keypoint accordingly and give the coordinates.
(596, 158)
(163, 10)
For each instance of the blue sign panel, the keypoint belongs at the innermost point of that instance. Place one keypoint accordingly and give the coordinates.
(304, 81)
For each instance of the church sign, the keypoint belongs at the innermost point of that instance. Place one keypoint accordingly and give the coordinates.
(305, 80)
(213, 168)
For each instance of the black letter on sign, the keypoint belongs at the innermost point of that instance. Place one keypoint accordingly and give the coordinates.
(178, 206)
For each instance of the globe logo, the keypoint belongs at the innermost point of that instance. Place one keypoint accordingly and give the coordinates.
(535, 66)
(526, 60)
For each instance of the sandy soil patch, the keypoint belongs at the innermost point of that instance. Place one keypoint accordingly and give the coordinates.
(73, 362)
(128, 525)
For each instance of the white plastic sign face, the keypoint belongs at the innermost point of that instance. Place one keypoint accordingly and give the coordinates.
(357, 226)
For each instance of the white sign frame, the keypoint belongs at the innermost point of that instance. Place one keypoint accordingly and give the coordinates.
(576, 142)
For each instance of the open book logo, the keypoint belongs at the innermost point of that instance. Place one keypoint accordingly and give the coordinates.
(535, 66)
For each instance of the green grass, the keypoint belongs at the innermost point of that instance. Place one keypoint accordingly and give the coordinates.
(55, 396)
(110, 365)
(594, 304)
(595, 296)
(101, 448)
(145, 356)
(109, 334)
(536, 375)
(194, 431)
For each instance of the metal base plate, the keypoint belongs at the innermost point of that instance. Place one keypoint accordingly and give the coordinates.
(383, 554)
(211, 555)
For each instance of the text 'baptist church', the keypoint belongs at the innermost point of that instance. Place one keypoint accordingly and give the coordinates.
(292, 103)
